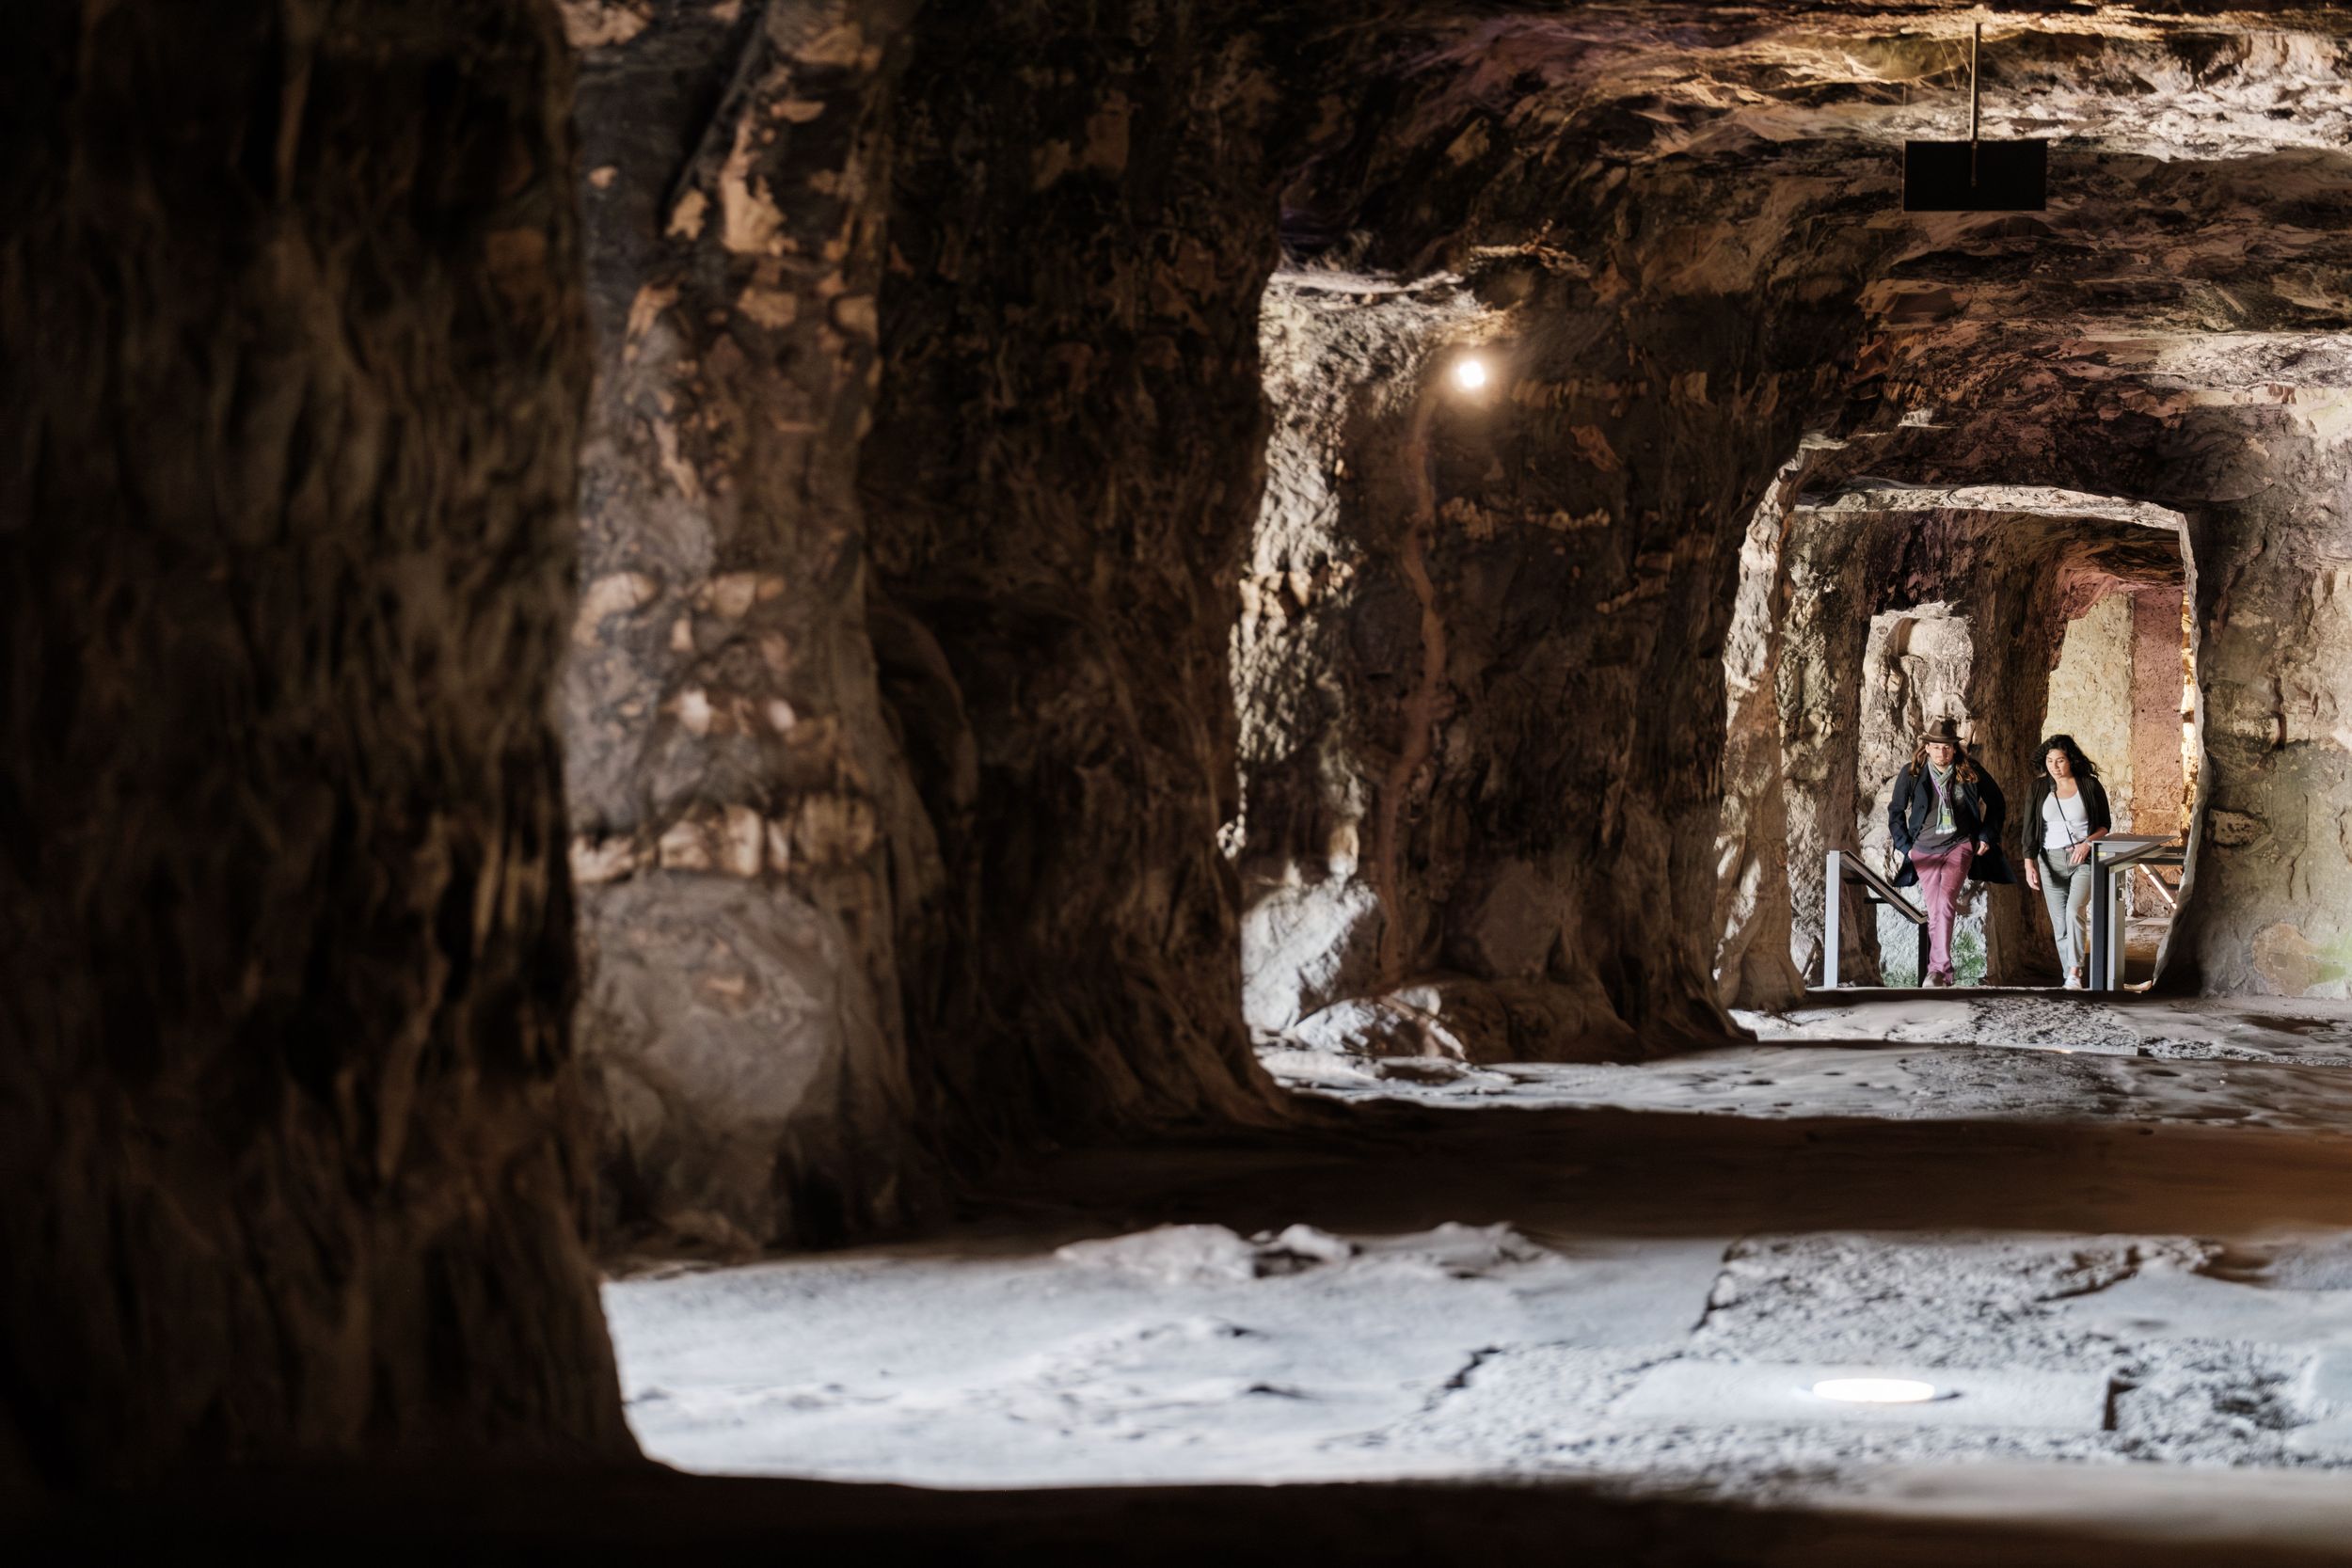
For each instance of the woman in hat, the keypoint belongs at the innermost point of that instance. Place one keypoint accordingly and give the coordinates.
(1945, 815)
(2070, 814)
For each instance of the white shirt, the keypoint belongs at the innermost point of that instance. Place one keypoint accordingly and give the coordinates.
(2064, 822)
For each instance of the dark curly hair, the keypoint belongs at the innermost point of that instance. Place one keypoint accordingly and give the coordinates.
(2081, 765)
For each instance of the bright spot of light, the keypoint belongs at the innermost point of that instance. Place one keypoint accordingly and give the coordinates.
(1874, 1390)
(1469, 372)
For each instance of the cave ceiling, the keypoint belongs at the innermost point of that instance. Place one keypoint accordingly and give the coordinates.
(2195, 258)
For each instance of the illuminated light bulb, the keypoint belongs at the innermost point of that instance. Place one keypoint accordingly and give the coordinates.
(1874, 1390)
(1469, 372)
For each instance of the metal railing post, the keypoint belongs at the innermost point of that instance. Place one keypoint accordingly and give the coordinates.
(2096, 972)
(2119, 930)
(1829, 920)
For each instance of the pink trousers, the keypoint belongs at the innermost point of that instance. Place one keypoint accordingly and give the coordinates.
(1943, 878)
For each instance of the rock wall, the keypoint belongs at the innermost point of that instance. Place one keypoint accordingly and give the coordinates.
(746, 835)
(1326, 597)
(1829, 577)
(955, 747)
(1755, 957)
(2094, 697)
(290, 1148)
(1540, 579)
(2271, 872)
(2158, 783)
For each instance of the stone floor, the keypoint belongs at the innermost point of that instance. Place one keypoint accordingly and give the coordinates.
(2117, 1233)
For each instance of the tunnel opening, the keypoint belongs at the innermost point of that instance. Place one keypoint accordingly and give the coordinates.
(1983, 604)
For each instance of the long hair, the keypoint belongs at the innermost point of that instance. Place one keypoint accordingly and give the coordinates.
(2082, 766)
(1963, 769)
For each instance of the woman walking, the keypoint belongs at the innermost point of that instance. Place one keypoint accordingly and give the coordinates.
(1945, 815)
(2070, 814)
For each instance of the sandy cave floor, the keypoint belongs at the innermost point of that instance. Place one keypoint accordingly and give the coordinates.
(2121, 1231)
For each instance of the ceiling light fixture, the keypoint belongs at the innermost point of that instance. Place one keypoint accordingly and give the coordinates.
(1875, 1390)
(1469, 372)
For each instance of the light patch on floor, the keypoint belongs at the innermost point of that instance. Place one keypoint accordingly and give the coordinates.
(1773, 1393)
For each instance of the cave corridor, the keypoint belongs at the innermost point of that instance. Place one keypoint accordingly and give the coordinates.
(1049, 782)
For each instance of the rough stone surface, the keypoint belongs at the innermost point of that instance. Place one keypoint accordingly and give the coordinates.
(2264, 907)
(1818, 687)
(291, 1157)
(1754, 961)
(2093, 697)
(1064, 463)
(1528, 592)
(2160, 798)
(745, 829)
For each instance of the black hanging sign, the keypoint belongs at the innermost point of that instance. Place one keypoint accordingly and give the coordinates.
(1976, 175)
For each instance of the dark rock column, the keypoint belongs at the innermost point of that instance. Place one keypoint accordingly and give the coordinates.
(290, 1157)
(746, 837)
(1064, 468)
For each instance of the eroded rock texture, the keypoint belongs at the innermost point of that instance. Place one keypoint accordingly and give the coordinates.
(2264, 906)
(903, 733)
(746, 838)
(289, 1153)
(1066, 459)
(1756, 957)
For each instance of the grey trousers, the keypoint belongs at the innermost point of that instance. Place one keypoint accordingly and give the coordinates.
(2066, 894)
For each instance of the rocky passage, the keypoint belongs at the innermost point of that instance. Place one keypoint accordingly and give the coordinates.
(954, 765)
(1219, 640)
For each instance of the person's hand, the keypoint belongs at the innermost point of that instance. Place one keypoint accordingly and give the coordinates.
(2079, 854)
(1983, 848)
(2033, 875)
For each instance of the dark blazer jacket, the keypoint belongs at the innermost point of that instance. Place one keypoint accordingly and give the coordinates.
(1978, 811)
(2095, 809)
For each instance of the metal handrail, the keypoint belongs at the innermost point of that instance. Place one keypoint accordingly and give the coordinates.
(2111, 855)
(1845, 865)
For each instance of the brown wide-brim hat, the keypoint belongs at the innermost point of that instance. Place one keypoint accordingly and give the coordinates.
(1943, 730)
